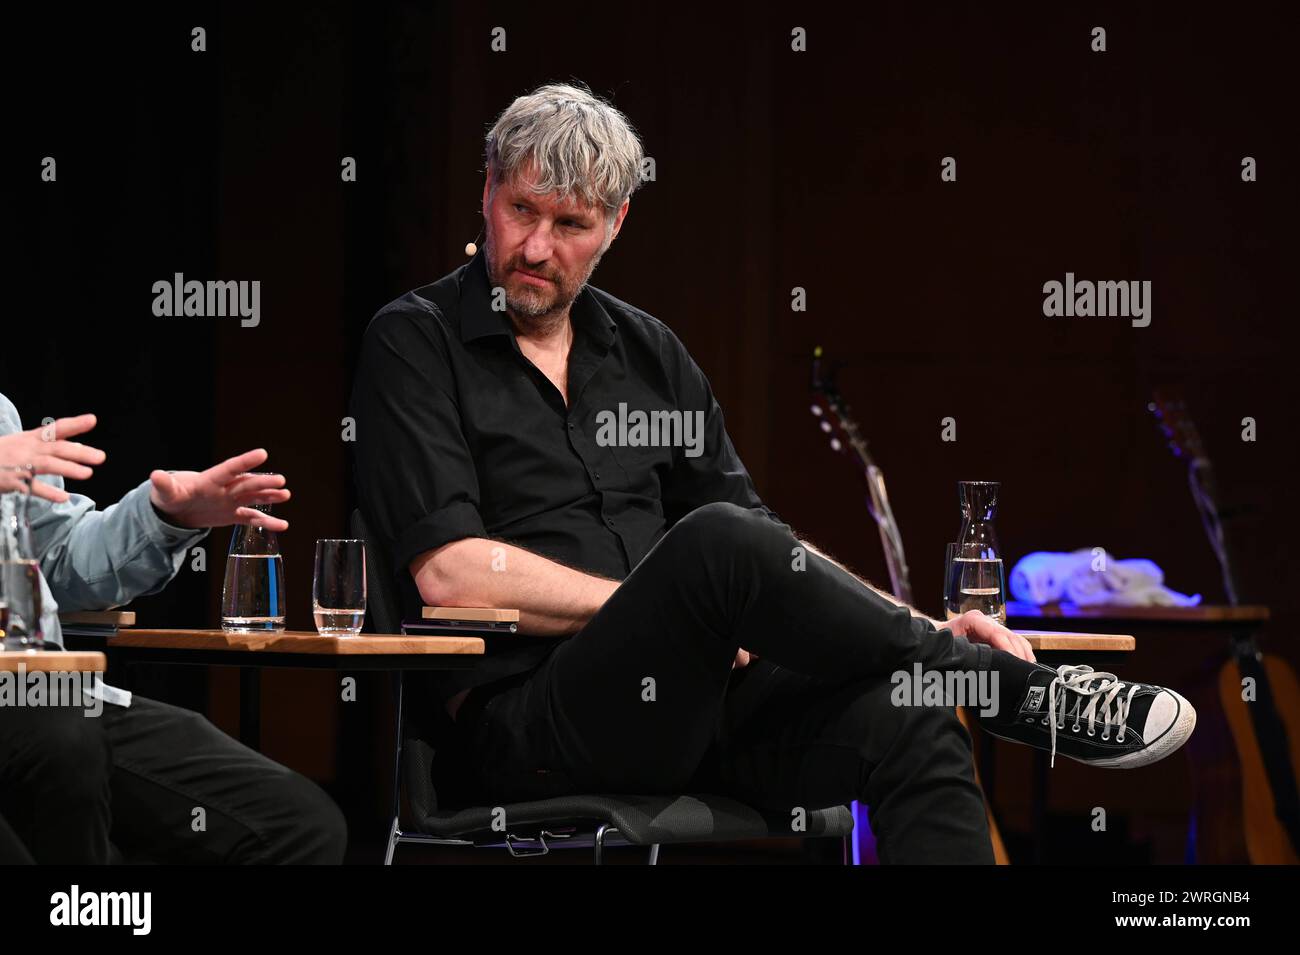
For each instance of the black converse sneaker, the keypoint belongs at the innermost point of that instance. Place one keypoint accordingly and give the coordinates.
(1096, 718)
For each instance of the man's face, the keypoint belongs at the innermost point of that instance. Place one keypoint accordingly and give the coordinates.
(541, 251)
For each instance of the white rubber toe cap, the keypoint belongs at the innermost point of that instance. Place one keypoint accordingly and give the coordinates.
(1169, 724)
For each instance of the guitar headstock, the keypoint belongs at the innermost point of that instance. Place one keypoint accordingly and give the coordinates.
(833, 415)
(1171, 412)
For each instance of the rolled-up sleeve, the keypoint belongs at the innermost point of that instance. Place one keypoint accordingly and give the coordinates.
(415, 474)
(98, 559)
(717, 473)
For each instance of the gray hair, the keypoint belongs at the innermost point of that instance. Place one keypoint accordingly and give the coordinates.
(582, 146)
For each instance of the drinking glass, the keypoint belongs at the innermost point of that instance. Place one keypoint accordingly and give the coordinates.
(338, 589)
(973, 580)
(20, 575)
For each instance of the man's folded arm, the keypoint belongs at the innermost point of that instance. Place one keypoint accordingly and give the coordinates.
(552, 599)
(419, 488)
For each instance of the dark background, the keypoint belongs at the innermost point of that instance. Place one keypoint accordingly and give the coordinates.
(775, 169)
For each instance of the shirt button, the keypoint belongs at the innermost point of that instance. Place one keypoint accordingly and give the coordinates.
(609, 521)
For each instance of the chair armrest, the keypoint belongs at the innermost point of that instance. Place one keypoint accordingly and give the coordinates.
(475, 614)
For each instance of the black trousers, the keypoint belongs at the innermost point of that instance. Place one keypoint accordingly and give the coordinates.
(644, 698)
(158, 783)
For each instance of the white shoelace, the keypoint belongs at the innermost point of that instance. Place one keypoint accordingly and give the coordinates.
(1079, 680)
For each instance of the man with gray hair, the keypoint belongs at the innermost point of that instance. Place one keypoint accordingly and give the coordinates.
(641, 572)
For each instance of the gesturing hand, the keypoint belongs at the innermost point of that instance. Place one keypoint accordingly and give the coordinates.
(48, 451)
(981, 628)
(220, 495)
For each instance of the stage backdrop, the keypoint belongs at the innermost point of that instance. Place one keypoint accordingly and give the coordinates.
(775, 170)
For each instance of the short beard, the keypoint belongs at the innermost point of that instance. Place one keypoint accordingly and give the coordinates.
(528, 309)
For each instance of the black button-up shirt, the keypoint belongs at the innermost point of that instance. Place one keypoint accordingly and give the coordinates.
(459, 435)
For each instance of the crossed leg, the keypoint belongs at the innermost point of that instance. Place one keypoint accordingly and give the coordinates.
(643, 698)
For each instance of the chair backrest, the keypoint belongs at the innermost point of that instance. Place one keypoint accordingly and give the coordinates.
(383, 612)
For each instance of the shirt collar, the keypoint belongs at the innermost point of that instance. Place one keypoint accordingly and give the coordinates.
(478, 319)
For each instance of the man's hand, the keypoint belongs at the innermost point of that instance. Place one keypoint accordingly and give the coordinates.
(48, 451)
(220, 495)
(981, 628)
(743, 657)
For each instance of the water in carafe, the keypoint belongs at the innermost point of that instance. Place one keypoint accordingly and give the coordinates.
(252, 598)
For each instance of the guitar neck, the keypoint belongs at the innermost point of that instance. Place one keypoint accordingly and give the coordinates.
(1200, 476)
(1185, 441)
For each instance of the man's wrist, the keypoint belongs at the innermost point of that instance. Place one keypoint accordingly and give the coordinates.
(161, 526)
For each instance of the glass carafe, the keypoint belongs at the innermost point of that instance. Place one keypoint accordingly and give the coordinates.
(252, 598)
(979, 504)
(20, 575)
(975, 576)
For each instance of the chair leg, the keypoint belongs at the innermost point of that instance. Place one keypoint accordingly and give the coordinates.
(393, 835)
(654, 854)
(599, 842)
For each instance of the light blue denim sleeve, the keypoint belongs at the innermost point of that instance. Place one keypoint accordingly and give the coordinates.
(93, 559)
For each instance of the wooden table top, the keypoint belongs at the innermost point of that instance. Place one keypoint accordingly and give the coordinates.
(297, 641)
(1081, 642)
(52, 661)
(303, 641)
(1208, 614)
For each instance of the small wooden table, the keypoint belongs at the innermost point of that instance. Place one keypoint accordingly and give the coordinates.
(289, 648)
(300, 648)
(1055, 647)
(1205, 615)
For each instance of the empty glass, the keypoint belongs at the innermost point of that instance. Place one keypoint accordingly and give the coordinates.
(338, 589)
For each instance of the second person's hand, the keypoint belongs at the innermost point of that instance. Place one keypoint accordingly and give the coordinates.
(221, 495)
(47, 450)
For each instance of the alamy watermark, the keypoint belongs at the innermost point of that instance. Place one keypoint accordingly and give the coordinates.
(211, 299)
(973, 689)
(40, 688)
(653, 429)
(133, 910)
(1085, 299)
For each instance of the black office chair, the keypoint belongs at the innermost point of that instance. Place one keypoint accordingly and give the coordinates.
(580, 820)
